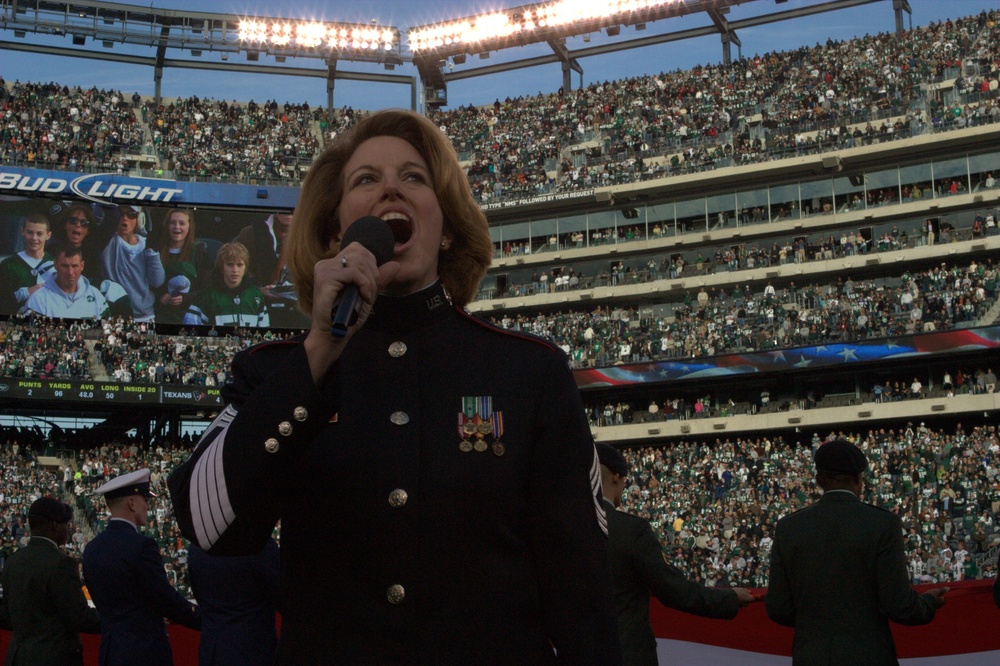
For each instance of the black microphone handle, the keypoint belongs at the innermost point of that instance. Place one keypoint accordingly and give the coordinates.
(374, 235)
(345, 313)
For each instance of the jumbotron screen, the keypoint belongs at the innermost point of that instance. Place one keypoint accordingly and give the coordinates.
(163, 261)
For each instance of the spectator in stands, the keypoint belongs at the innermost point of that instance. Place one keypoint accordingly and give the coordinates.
(43, 601)
(838, 570)
(639, 569)
(66, 293)
(127, 261)
(548, 586)
(23, 273)
(186, 264)
(231, 299)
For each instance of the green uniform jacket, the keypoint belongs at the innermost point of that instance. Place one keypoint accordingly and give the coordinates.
(838, 575)
(44, 605)
(638, 569)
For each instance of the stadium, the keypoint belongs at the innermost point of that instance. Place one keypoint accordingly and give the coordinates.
(741, 261)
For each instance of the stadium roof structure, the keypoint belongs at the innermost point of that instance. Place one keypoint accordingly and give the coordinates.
(434, 49)
(89, 23)
(436, 46)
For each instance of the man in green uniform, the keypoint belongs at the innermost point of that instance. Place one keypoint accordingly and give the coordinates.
(43, 602)
(838, 571)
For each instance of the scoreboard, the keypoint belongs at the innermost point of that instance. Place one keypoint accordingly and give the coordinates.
(98, 392)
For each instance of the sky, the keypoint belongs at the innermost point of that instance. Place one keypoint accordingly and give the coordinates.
(842, 24)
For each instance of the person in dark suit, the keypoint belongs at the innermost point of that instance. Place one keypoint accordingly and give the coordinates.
(438, 492)
(238, 597)
(43, 602)
(838, 571)
(639, 569)
(128, 584)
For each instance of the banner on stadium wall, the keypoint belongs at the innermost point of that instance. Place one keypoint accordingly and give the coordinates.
(960, 635)
(115, 189)
(796, 358)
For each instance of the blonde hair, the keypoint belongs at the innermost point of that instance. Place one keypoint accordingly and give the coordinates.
(231, 253)
(315, 234)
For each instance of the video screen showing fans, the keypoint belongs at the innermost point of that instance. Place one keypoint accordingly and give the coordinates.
(171, 266)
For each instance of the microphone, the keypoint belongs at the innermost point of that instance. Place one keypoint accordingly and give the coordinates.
(373, 234)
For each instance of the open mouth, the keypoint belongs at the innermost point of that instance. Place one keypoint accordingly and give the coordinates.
(401, 226)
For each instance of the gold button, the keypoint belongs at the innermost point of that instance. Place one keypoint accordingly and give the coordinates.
(271, 445)
(397, 498)
(395, 594)
(397, 349)
(285, 428)
(400, 418)
(300, 414)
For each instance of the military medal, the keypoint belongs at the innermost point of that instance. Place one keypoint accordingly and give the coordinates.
(479, 426)
(464, 445)
(496, 420)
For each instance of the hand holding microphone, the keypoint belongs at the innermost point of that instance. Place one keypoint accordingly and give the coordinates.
(373, 234)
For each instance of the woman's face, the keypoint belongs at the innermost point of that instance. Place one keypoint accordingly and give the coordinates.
(127, 224)
(77, 227)
(232, 272)
(386, 177)
(178, 226)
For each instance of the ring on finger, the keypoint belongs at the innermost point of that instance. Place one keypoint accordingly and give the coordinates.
(343, 262)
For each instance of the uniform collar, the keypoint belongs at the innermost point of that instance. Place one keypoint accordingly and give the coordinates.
(40, 540)
(839, 495)
(411, 312)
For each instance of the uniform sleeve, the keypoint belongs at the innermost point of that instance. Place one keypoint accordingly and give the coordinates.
(227, 494)
(568, 528)
(166, 600)
(897, 600)
(778, 602)
(66, 594)
(669, 585)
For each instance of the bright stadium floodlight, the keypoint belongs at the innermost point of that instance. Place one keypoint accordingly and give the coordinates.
(362, 41)
(534, 23)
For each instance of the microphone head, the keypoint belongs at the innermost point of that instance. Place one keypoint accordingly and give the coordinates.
(373, 234)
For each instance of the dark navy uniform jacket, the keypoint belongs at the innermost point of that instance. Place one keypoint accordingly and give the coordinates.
(126, 580)
(404, 537)
(238, 597)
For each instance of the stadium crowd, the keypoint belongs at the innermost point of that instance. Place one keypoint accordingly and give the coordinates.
(715, 504)
(712, 503)
(680, 406)
(131, 356)
(218, 139)
(765, 107)
(748, 319)
(39, 347)
(49, 125)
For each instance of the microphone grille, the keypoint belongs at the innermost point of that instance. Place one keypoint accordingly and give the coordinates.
(373, 234)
